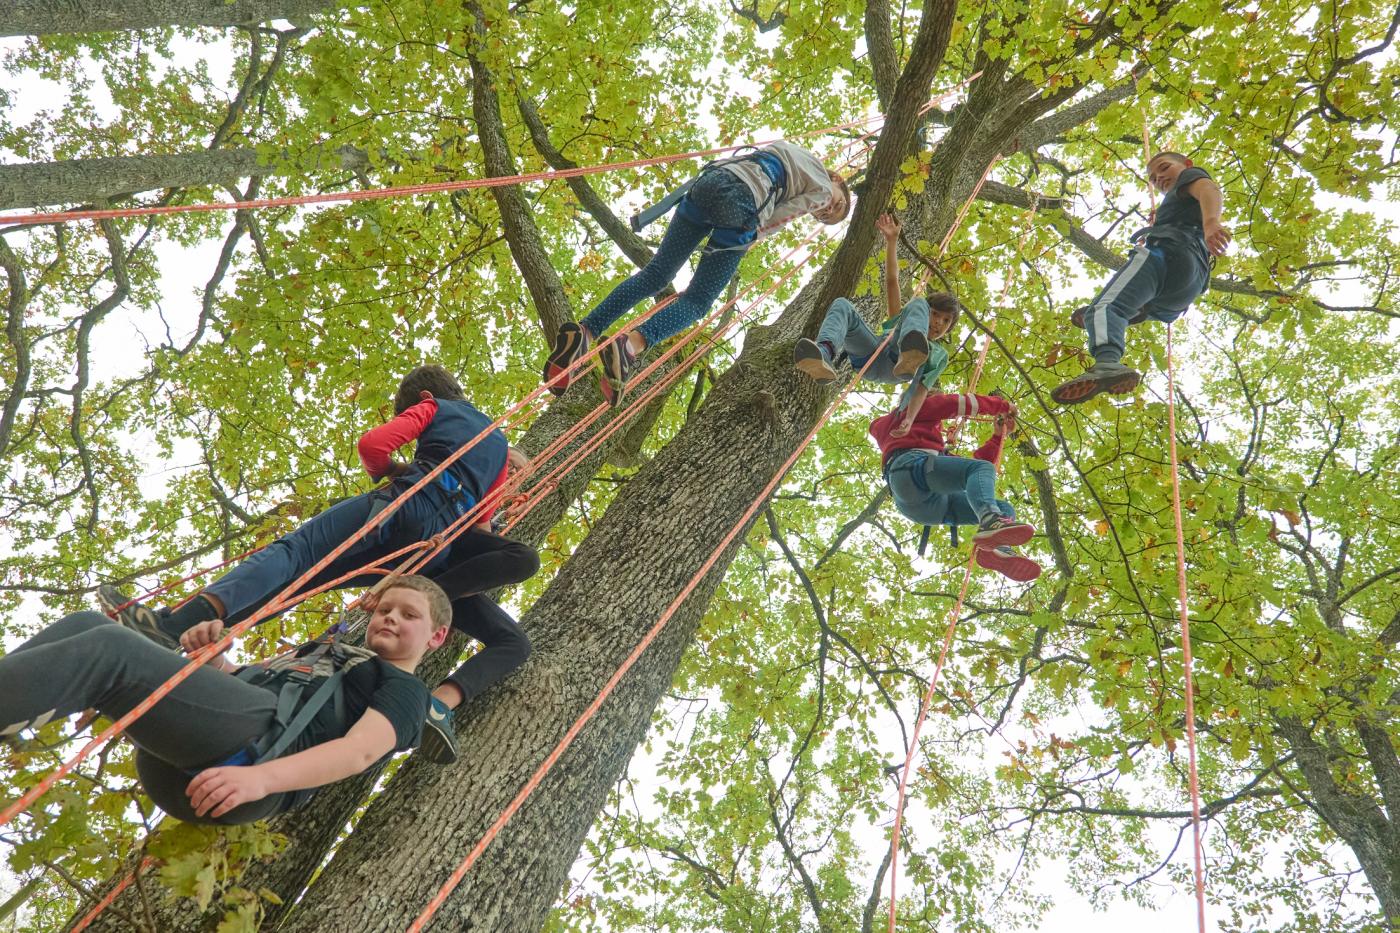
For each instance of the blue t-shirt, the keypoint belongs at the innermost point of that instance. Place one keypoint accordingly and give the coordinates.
(1181, 214)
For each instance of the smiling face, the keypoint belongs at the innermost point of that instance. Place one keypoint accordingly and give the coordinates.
(401, 629)
(1163, 171)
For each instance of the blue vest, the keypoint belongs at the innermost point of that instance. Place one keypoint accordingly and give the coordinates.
(466, 480)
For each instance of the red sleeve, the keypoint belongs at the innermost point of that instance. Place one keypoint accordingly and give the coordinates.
(489, 512)
(990, 451)
(939, 408)
(377, 444)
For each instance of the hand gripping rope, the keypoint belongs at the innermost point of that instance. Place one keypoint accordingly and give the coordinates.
(573, 732)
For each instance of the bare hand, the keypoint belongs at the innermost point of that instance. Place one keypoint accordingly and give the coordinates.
(370, 601)
(1005, 424)
(216, 791)
(1217, 237)
(205, 633)
(888, 225)
(901, 429)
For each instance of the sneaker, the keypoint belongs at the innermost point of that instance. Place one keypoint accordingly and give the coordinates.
(569, 347)
(1005, 561)
(811, 357)
(1076, 317)
(997, 530)
(618, 361)
(913, 353)
(439, 743)
(1101, 377)
(136, 617)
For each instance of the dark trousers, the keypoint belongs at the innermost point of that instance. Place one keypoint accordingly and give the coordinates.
(263, 575)
(1159, 282)
(87, 660)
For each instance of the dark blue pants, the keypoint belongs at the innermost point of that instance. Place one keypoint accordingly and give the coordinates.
(1159, 282)
(934, 489)
(264, 574)
(717, 201)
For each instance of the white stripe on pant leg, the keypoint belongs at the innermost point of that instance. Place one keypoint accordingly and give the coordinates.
(1115, 288)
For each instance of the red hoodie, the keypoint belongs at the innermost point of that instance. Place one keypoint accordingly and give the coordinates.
(377, 444)
(927, 430)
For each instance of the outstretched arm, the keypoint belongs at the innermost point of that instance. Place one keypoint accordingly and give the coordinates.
(377, 444)
(888, 225)
(216, 791)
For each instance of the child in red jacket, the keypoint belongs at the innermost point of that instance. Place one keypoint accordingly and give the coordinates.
(934, 488)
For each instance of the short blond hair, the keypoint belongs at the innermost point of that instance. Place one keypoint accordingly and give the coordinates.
(439, 606)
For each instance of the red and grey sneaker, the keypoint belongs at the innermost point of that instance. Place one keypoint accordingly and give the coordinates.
(913, 353)
(996, 530)
(133, 615)
(1101, 377)
(570, 345)
(1005, 561)
(618, 360)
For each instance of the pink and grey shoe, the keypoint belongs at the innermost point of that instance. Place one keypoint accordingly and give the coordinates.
(1005, 561)
(996, 530)
(618, 360)
(570, 345)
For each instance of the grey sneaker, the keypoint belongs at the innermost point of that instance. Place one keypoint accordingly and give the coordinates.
(913, 353)
(1101, 377)
(439, 739)
(134, 616)
(811, 357)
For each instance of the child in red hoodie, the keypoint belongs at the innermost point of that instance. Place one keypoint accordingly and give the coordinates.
(934, 488)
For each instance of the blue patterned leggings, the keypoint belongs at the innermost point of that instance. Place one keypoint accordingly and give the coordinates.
(721, 202)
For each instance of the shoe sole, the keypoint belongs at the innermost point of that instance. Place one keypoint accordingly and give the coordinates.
(909, 362)
(1012, 536)
(435, 746)
(808, 359)
(1081, 390)
(611, 382)
(561, 361)
(1019, 569)
(111, 599)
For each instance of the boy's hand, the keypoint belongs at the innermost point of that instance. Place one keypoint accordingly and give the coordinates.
(1217, 237)
(205, 633)
(1005, 425)
(216, 791)
(888, 225)
(370, 601)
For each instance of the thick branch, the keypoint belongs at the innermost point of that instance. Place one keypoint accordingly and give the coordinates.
(884, 63)
(17, 301)
(48, 17)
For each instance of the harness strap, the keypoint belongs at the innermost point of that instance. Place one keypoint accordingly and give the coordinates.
(772, 167)
(330, 687)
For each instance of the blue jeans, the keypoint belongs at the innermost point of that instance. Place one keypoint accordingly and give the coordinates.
(262, 575)
(845, 329)
(933, 489)
(1159, 282)
(718, 201)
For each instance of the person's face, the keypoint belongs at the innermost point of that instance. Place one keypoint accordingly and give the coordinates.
(834, 212)
(1162, 173)
(939, 323)
(401, 628)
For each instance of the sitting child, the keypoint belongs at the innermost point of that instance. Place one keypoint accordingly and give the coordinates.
(217, 748)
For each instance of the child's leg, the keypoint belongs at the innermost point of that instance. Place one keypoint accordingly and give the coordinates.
(848, 331)
(681, 238)
(970, 481)
(504, 646)
(1134, 285)
(96, 663)
(712, 273)
(909, 340)
(265, 573)
(481, 560)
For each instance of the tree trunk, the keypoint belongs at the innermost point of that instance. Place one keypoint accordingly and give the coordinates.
(46, 17)
(82, 181)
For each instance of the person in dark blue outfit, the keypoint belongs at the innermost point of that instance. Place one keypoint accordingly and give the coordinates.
(1167, 270)
(431, 409)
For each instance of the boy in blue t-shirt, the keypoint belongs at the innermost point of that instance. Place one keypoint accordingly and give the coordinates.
(1165, 272)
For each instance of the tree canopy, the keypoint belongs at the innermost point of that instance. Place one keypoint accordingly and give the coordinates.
(178, 389)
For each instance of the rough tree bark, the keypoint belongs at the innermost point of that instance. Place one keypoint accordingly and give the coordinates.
(45, 17)
(82, 181)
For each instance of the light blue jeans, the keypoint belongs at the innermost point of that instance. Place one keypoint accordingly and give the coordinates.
(846, 330)
(934, 489)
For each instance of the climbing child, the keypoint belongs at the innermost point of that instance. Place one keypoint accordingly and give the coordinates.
(734, 202)
(1167, 269)
(227, 745)
(912, 353)
(934, 488)
(431, 409)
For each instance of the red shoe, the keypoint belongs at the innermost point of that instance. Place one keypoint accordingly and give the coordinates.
(996, 530)
(1005, 561)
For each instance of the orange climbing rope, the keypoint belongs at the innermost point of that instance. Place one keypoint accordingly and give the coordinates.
(956, 612)
(592, 709)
